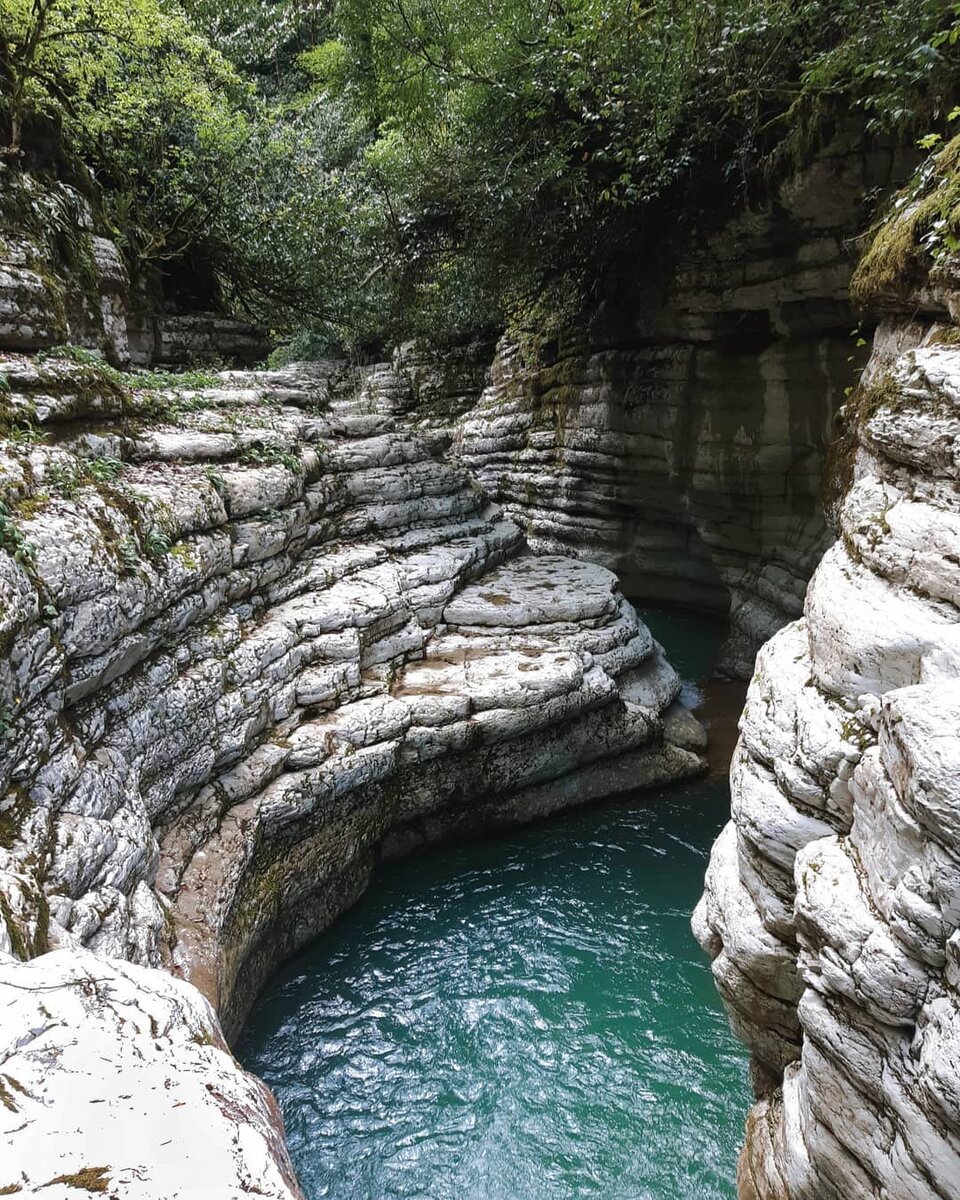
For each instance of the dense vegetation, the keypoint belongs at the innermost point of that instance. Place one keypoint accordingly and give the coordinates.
(361, 170)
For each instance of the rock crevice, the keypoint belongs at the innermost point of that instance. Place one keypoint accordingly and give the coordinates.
(679, 436)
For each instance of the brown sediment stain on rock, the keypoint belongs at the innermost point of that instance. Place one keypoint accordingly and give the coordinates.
(720, 712)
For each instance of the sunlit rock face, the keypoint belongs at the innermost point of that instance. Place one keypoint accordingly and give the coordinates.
(256, 637)
(832, 902)
(680, 439)
(116, 1079)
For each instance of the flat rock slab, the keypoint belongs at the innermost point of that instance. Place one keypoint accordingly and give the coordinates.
(504, 679)
(536, 591)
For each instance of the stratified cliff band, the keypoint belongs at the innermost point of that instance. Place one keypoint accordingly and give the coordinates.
(832, 904)
(256, 637)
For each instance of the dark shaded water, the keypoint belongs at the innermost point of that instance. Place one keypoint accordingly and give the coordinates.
(521, 1019)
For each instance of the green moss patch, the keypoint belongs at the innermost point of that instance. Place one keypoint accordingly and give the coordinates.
(921, 231)
(863, 402)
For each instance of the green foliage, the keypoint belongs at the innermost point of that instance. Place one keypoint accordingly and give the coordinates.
(162, 381)
(326, 64)
(75, 354)
(364, 171)
(129, 555)
(156, 543)
(141, 97)
(264, 38)
(68, 479)
(305, 345)
(12, 538)
(522, 145)
(270, 455)
(216, 479)
(920, 233)
(895, 62)
(152, 380)
(24, 433)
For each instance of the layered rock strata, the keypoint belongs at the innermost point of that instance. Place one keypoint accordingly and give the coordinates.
(680, 438)
(832, 903)
(61, 277)
(256, 637)
(64, 280)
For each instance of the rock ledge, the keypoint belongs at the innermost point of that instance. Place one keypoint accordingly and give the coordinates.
(257, 636)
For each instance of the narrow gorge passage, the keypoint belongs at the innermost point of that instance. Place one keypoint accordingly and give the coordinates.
(527, 1017)
(367, 369)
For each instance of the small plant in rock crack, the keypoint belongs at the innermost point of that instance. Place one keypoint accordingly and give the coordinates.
(216, 478)
(7, 715)
(156, 543)
(12, 539)
(262, 455)
(155, 379)
(104, 468)
(129, 554)
(26, 435)
(65, 480)
(68, 479)
(73, 353)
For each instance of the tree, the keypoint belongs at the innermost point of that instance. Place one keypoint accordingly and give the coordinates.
(143, 100)
(24, 35)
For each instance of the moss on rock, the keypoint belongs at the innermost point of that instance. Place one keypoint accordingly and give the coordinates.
(921, 231)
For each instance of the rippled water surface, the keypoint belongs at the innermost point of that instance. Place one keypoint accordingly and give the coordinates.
(523, 1019)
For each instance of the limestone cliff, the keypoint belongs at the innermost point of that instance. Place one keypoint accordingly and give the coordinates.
(679, 438)
(832, 903)
(256, 637)
(64, 279)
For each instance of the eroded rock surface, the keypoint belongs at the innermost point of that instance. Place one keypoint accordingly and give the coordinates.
(832, 903)
(117, 1080)
(257, 636)
(58, 286)
(53, 288)
(680, 438)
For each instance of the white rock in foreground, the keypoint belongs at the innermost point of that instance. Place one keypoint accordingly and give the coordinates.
(115, 1079)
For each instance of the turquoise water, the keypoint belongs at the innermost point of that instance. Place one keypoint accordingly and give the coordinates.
(527, 1018)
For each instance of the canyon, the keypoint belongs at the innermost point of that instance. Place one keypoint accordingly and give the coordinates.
(680, 436)
(258, 637)
(266, 629)
(831, 903)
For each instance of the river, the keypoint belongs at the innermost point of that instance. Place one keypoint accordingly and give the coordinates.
(524, 1018)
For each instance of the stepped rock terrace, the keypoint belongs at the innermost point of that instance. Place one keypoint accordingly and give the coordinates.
(283, 637)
